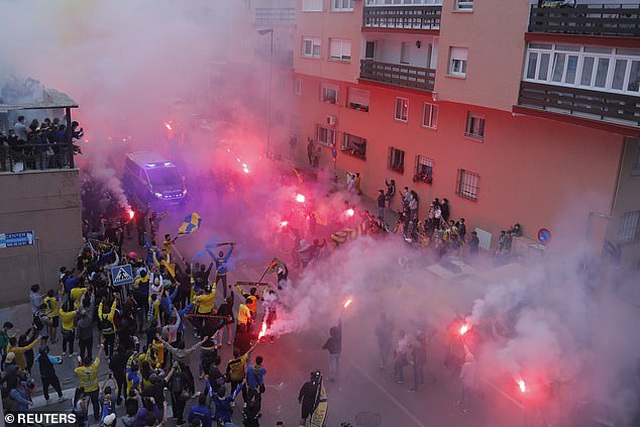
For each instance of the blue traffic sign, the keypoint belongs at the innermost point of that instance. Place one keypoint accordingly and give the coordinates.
(121, 275)
(11, 240)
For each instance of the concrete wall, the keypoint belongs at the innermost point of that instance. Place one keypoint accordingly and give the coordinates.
(47, 203)
(493, 33)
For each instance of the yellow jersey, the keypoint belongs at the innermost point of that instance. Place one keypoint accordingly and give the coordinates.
(67, 318)
(205, 302)
(88, 376)
(52, 306)
(243, 314)
(76, 295)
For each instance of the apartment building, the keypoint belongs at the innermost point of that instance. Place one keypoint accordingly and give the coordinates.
(519, 112)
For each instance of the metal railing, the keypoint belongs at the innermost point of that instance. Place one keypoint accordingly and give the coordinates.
(622, 20)
(402, 17)
(398, 74)
(274, 16)
(36, 157)
(605, 106)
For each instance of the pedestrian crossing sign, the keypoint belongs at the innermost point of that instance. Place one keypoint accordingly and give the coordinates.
(121, 275)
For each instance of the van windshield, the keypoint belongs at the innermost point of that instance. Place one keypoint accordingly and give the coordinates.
(164, 176)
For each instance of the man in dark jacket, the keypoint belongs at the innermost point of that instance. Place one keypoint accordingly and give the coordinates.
(118, 365)
(334, 346)
(48, 372)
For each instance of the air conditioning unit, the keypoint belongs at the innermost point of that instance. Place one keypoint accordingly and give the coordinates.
(332, 120)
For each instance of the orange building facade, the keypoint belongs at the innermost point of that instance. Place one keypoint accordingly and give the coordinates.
(516, 113)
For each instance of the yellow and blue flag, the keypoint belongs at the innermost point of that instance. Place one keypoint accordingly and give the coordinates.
(191, 223)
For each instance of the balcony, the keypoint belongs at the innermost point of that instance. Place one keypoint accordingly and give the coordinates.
(24, 157)
(587, 104)
(398, 74)
(619, 20)
(274, 17)
(401, 17)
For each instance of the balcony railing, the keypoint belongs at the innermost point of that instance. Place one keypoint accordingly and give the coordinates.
(37, 157)
(403, 17)
(398, 74)
(622, 20)
(274, 16)
(605, 106)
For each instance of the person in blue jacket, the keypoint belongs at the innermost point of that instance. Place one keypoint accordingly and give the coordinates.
(222, 267)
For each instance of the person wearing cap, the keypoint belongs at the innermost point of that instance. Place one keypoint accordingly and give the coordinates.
(12, 372)
(48, 375)
(87, 373)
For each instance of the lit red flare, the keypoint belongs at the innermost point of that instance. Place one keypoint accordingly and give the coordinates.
(263, 330)
(464, 329)
(300, 198)
(351, 212)
(284, 223)
(168, 126)
(522, 386)
(131, 213)
(348, 303)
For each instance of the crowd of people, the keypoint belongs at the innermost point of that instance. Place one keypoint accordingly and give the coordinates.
(39, 145)
(141, 331)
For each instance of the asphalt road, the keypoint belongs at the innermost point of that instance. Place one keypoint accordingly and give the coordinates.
(362, 387)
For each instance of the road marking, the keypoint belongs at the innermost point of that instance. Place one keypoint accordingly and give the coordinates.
(386, 393)
(505, 395)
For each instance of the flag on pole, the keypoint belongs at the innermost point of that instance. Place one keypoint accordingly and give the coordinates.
(319, 413)
(274, 265)
(191, 223)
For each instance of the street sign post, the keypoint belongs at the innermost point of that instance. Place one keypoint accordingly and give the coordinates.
(121, 275)
(21, 238)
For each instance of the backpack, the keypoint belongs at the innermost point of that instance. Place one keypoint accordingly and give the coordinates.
(106, 326)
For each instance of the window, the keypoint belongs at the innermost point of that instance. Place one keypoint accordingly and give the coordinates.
(346, 5)
(325, 136)
(358, 99)
(402, 109)
(424, 170)
(594, 68)
(430, 115)
(340, 50)
(297, 87)
(329, 93)
(467, 185)
(395, 162)
(354, 146)
(312, 5)
(311, 47)
(458, 61)
(370, 50)
(636, 163)
(466, 5)
(475, 126)
(629, 230)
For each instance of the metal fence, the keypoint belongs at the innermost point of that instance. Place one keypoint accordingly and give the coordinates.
(36, 157)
